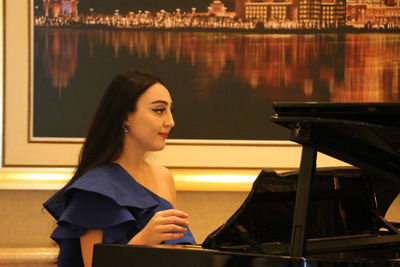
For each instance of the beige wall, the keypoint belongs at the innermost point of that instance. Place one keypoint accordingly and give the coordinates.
(24, 223)
(208, 210)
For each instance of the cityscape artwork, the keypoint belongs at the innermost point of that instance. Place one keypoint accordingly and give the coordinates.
(225, 62)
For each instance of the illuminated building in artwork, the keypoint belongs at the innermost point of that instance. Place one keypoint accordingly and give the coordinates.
(333, 13)
(370, 15)
(56, 8)
(264, 11)
(217, 8)
(309, 12)
(356, 14)
(323, 13)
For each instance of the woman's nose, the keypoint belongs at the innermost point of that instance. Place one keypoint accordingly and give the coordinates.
(169, 121)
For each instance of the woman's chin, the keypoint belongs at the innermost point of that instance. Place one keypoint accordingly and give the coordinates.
(157, 147)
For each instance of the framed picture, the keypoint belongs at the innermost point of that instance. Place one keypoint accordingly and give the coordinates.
(223, 66)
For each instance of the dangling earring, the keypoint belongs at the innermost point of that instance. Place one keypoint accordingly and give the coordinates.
(126, 128)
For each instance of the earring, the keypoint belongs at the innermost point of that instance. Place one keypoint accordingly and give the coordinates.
(126, 128)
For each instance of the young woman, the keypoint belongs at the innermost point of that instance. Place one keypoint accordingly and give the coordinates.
(115, 195)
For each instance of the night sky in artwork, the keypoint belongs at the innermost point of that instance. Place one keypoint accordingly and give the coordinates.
(108, 6)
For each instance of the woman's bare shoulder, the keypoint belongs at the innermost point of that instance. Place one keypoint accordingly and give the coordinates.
(162, 172)
(165, 180)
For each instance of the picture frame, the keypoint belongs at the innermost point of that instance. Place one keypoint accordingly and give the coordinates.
(19, 150)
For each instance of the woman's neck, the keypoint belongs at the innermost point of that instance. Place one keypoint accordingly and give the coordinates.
(132, 157)
(136, 166)
(131, 160)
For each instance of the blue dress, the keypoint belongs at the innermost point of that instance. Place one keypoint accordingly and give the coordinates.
(108, 198)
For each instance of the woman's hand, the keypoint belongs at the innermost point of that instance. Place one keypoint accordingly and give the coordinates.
(165, 225)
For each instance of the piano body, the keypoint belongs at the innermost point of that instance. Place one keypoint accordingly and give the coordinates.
(313, 217)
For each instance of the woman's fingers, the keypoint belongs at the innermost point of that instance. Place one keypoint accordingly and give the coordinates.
(172, 220)
(171, 236)
(171, 228)
(172, 212)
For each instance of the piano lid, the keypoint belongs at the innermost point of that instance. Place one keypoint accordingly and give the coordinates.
(366, 135)
(385, 114)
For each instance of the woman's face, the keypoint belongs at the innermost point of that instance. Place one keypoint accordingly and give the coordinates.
(151, 122)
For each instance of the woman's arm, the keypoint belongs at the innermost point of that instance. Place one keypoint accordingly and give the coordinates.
(88, 240)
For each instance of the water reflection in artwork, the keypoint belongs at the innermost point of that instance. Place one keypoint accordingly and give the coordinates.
(232, 77)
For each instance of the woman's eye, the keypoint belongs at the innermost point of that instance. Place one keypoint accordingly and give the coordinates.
(159, 110)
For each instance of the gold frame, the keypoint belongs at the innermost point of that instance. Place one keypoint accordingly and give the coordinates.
(19, 150)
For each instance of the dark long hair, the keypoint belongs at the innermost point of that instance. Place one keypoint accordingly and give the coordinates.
(104, 140)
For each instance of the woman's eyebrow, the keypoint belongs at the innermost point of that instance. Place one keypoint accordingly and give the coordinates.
(160, 102)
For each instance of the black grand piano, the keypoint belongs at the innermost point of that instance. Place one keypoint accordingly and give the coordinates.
(311, 217)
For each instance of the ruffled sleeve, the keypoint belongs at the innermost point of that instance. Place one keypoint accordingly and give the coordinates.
(106, 198)
(88, 210)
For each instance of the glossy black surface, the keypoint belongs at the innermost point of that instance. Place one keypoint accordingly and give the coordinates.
(384, 114)
(136, 256)
(345, 203)
(366, 135)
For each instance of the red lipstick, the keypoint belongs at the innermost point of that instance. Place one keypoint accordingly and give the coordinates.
(164, 135)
